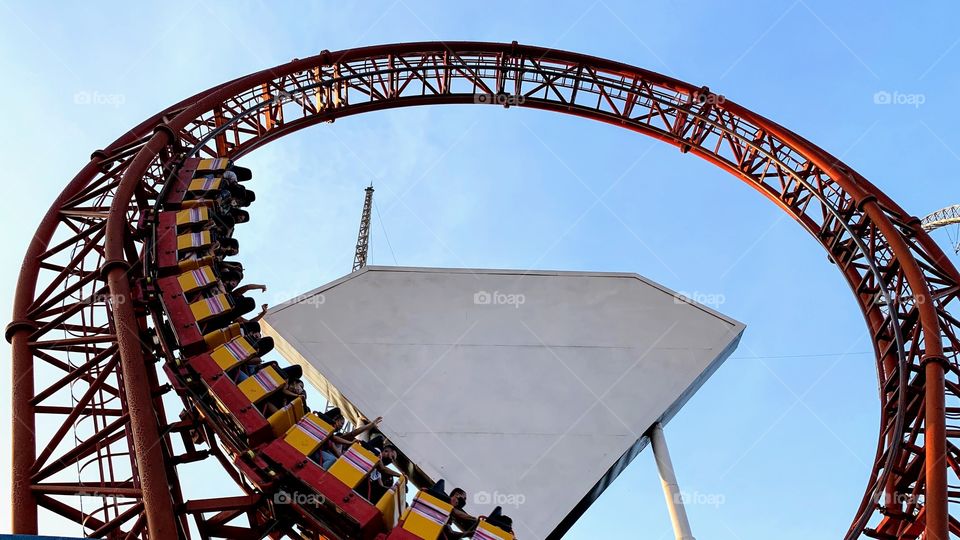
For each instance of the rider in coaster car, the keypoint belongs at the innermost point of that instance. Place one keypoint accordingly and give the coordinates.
(464, 521)
(218, 249)
(254, 363)
(292, 389)
(338, 442)
(231, 278)
(241, 305)
(381, 477)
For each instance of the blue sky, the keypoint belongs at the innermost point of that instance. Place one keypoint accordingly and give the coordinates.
(782, 437)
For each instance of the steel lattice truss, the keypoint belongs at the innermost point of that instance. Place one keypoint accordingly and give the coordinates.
(944, 218)
(363, 237)
(75, 339)
(941, 218)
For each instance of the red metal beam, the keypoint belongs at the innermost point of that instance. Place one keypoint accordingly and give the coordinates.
(23, 504)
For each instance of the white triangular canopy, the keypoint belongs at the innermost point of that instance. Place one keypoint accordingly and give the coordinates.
(529, 389)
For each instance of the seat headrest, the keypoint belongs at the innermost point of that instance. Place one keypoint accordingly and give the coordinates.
(497, 519)
(438, 490)
(240, 216)
(244, 304)
(290, 373)
(250, 327)
(242, 173)
(265, 345)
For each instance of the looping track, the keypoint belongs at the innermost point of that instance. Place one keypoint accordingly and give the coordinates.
(76, 328)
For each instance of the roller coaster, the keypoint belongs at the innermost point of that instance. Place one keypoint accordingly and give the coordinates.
(123, 284)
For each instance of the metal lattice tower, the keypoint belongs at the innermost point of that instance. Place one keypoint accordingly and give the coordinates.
(363, 237)
(944, 218)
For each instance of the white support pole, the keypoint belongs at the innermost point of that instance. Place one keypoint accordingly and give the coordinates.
(671, 490)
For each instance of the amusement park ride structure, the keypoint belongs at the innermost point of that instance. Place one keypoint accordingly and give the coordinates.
(83, 345)
(948, 217)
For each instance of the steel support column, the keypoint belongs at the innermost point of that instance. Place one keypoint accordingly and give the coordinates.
(23, 502)
(671, 488)
(157, 503)
(935, 452)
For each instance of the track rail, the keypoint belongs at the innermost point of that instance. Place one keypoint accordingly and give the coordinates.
(74, 315)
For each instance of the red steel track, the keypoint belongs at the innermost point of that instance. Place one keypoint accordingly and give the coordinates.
(76, 331)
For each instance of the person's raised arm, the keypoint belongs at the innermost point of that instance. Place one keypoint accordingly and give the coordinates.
(290, 393)
(364, 428)
(387, 470)
(257, 318)
(463, 516)
(338, 440)
(250, 287)
(465, 521)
